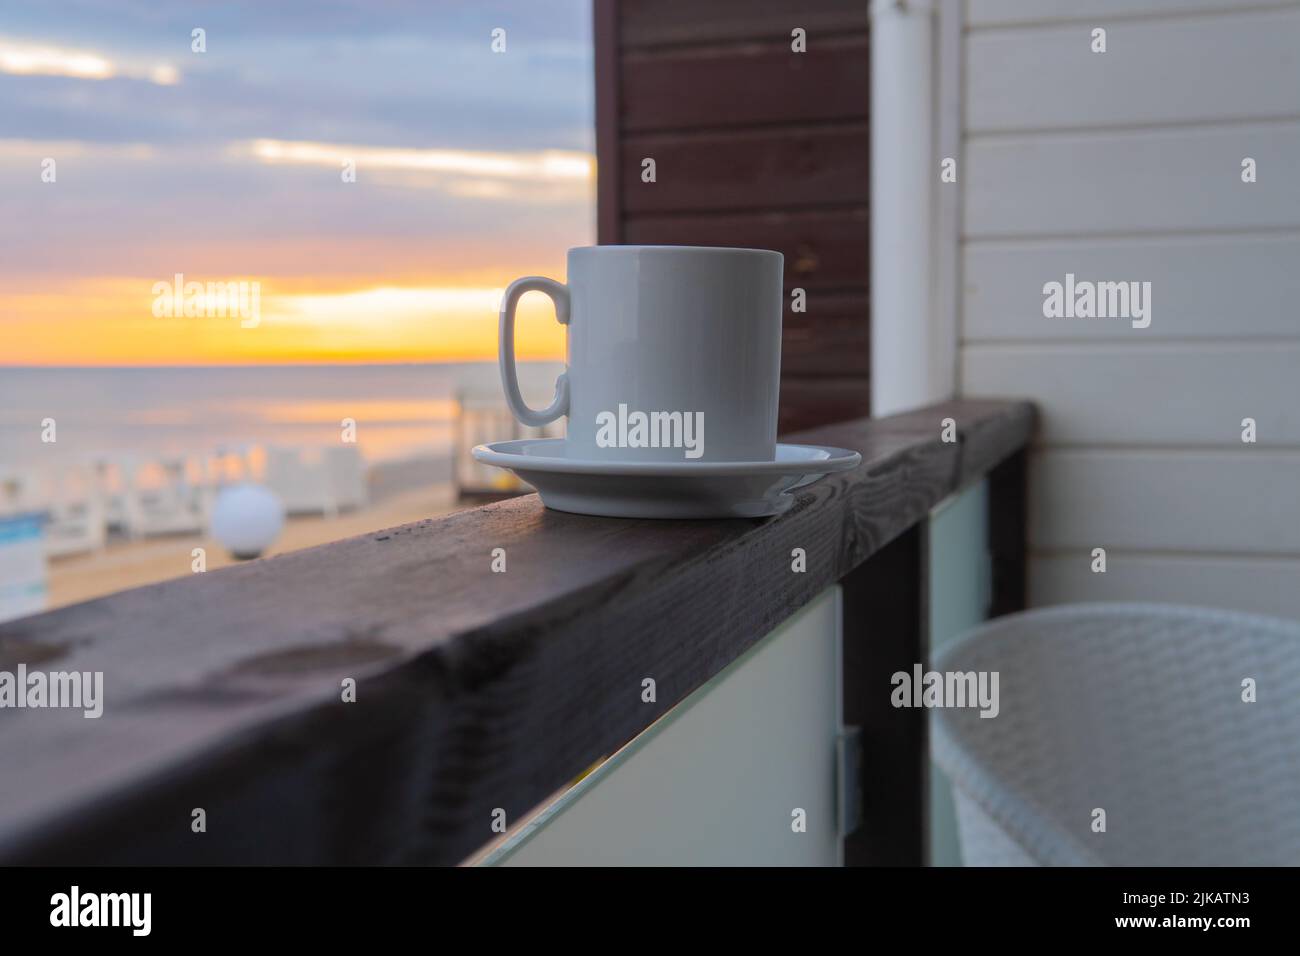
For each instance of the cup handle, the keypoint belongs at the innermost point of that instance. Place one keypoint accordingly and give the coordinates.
(559, 294)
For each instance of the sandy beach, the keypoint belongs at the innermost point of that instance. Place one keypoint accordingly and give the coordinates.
(130, 564)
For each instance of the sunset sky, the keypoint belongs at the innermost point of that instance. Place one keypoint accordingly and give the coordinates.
(472, 168)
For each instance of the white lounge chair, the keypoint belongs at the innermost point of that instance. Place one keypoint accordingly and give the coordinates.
(300, 484)
(113, 479)
(165, 498)
(76, 523)
(345, 472)
(17, 490)
(323, 481)
(68, 497)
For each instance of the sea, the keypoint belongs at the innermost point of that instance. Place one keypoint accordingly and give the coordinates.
(400, 411)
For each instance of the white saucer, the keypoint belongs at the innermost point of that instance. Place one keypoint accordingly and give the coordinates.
(664, 489)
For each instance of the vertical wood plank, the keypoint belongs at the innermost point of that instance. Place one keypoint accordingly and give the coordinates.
(1008, 531)
(885, 632)
(609, 206)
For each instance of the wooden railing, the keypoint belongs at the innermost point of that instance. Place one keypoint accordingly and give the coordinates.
(476, 689)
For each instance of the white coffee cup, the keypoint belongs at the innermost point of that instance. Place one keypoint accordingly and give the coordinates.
(674, 353)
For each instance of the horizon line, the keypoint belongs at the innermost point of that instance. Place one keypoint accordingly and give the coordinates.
(302, 364)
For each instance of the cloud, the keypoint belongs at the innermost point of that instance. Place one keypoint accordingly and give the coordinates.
(548, 175)
(473, 168)
(31, 58)
(36, 149)
(356, 71)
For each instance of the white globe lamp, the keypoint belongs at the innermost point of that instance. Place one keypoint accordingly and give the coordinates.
(246, 519)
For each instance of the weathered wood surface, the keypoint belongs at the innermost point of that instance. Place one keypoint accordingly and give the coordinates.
(649, 23)
(828, 338)
(823, 248)
(807, 402)
(476, 690)
(712, 87)
(790, 167)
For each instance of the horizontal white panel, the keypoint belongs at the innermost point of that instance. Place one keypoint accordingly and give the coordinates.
(1067, 184)
(1235, 287)
(1257, 585)
(1241, 502)
(1147, 394)
(983, 13)
(715, 782)
(1153, 71)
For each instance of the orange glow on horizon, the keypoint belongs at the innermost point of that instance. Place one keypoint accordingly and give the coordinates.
(113, 322)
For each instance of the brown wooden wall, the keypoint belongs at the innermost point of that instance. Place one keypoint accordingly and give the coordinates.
(754, 145)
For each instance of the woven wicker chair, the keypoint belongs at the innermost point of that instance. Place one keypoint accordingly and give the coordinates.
(1137, 710)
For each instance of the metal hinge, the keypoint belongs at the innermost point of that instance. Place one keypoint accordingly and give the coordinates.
(848, 779)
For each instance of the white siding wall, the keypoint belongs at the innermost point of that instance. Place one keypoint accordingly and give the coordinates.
(1127, 166)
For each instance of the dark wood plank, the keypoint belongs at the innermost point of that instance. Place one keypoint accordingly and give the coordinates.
(823, 249)
(475, 690)
(831, 338)
(661, 22)
(609, 208)
(1008, 533)
(982, 448)
(783, 168)
(884, 633)
(713, 87)
(810, 402)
